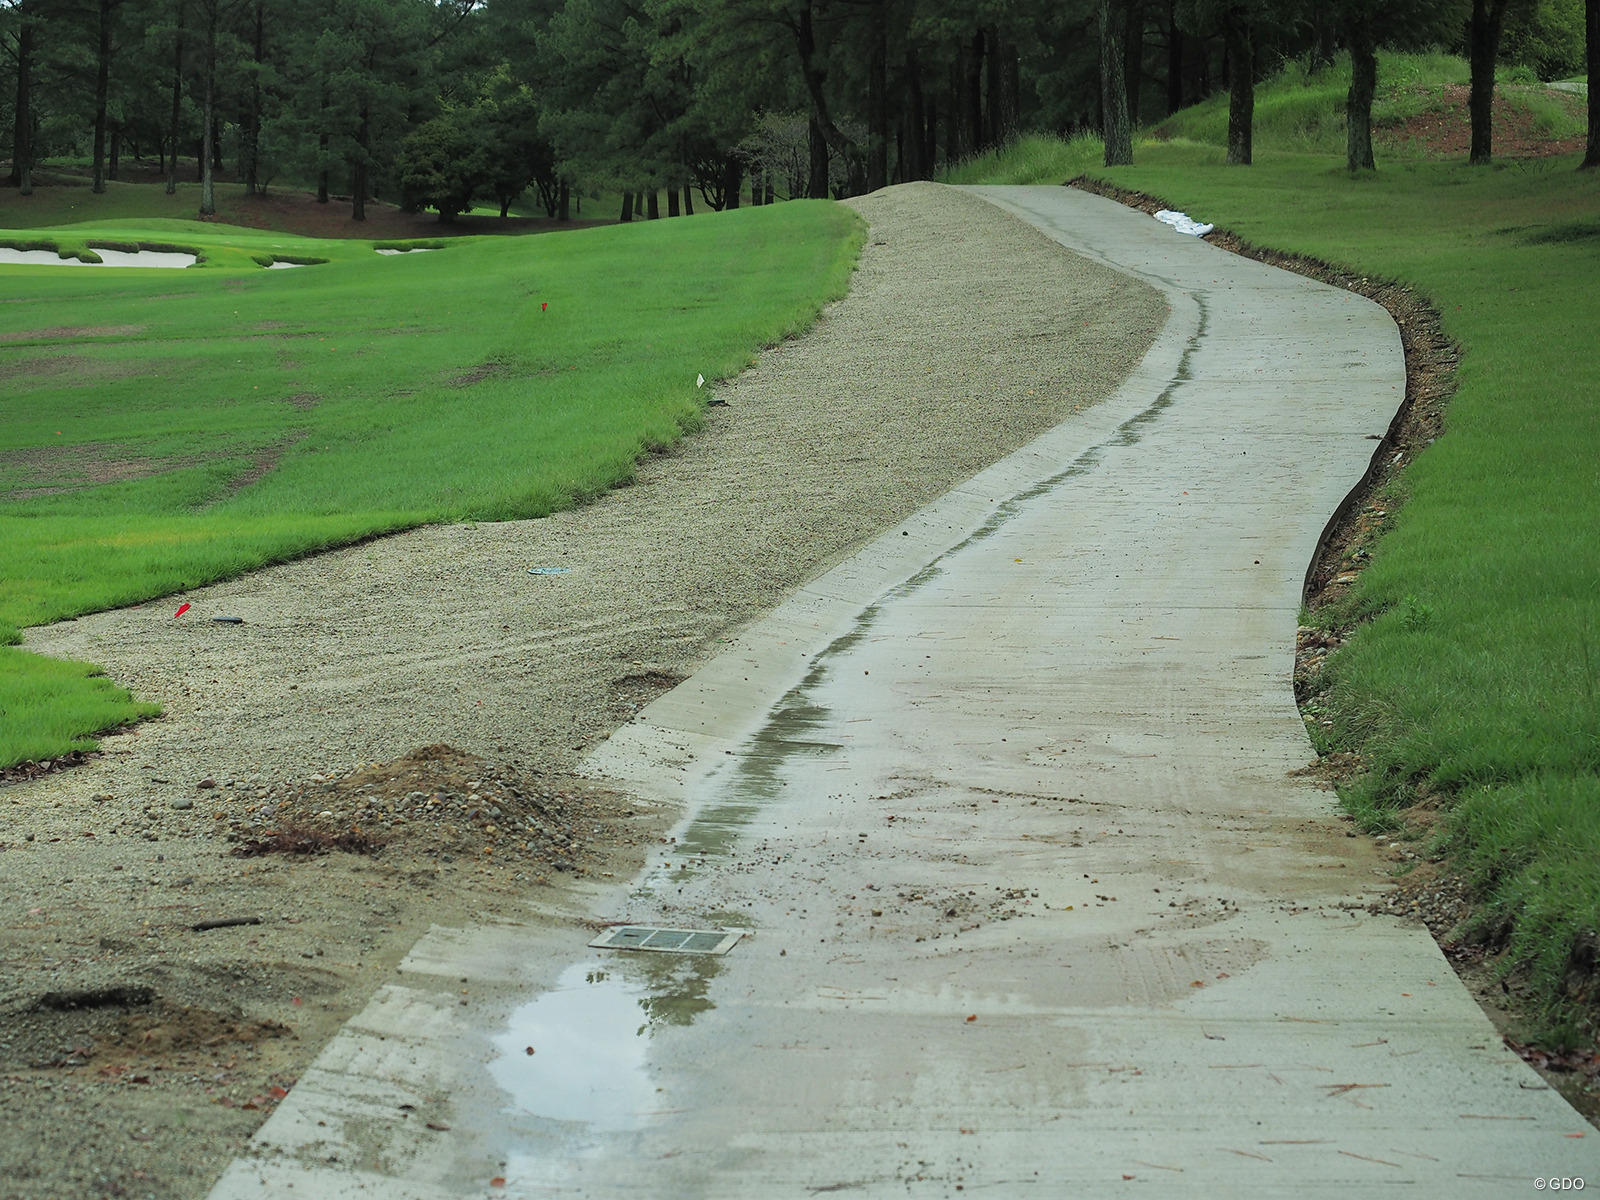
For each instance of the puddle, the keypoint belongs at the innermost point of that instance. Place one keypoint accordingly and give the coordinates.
(110, 258)
(591, 1036)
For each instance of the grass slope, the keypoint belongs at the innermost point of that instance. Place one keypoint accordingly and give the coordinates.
(1475, 671)
(163, 429)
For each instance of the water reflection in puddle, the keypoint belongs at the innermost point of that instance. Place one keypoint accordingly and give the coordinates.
(589, 1042)
(590, 1035)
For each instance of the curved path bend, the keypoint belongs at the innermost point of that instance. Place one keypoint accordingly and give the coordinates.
(1038, 908)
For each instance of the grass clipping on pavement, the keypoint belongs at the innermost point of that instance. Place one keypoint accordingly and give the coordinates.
(1468, 681)
(164, 429)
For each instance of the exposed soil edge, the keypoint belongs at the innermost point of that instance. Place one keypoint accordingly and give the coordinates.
(1434, 895)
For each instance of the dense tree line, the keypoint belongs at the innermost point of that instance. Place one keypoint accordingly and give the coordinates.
(447, 103)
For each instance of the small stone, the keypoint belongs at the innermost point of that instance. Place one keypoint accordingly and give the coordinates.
(183, 803)
(206, 783)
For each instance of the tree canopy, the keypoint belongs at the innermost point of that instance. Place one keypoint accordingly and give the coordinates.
(451, 103)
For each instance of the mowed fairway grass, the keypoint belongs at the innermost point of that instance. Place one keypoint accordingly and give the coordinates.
(161, 429)
(1474, 671)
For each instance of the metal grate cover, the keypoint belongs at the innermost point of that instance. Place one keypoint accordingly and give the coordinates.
(668, 941)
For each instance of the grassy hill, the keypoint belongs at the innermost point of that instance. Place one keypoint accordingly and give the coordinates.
(160, 429)
(1469, 681)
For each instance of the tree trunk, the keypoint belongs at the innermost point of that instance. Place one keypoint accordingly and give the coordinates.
(1325, 43)
(250, 135)
(732, 177)
(1174, 61)
(993, 85)
(913, 165)
(1113, 88)
(1005, 112)
(627, 207)
(564, 203)
(878, 103)
(208, 115)
(672, 203)
(972, 94)
(114, 155)
(1483, 48)
(930, 141)
(817, 176)
(1133, 59)
(1241, 92)
(177, 113)
(1196, 70)
(814, 76)
(1358, 104)
(322, 175)
(755, 187)
(688, 204)
(102, 87)
(1591, 15)
(955, 149)
(358, 176)
(22, 135)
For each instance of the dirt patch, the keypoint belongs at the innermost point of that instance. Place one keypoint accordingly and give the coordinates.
(71, 331)
(1445, 130)
(478, 374)
(73, 370)
(443, 636)
(304, 401)
(262, 465)
(442, 803)
(48, 470)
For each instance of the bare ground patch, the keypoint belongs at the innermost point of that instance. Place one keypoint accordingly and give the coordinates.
(48, 470)
(59, 332)
(76, 370)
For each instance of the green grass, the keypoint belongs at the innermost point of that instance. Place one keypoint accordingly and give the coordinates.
(236, 417)
(1475, 667)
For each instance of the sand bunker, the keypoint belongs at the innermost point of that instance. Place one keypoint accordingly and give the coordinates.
(109, 258)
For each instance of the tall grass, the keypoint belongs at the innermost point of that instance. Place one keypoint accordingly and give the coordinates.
(242, 416)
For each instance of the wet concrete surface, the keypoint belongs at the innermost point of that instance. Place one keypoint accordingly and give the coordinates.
(1036, 907)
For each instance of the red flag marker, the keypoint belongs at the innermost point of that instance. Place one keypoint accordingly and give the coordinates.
(544, 306)
(182, 608)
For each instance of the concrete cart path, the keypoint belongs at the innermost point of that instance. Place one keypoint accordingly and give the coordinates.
(1037, 907)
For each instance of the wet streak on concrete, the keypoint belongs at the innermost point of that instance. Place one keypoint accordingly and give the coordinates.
(728, 803)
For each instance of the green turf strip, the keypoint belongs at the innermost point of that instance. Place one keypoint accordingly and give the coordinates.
(1478, 668)
(163, 429)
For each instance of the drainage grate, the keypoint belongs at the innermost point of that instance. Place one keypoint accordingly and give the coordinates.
(670, 941)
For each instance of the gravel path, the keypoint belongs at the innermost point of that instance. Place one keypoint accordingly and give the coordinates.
(965, 335)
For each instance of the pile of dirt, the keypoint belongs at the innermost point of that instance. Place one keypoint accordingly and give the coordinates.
(441, 803)
(1445, 130)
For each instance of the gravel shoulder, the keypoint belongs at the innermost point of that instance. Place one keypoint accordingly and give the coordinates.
(965, 335)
